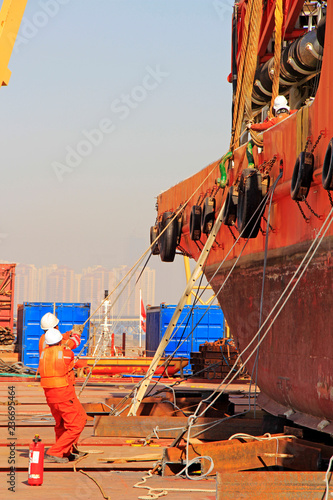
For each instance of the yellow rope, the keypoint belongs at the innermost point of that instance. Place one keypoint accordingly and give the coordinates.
(246, 68)
(106, 497)
(257, 136)
(277, 49)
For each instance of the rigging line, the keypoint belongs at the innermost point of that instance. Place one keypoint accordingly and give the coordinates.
(137, 263)
(245, 349)
(234, 265)
(328, 222)
(260, 209)
(171, 356)
(102, 346)
(263, 203)
(255, 366)
(188, 316)
(195, 301)
(132, 270)
(165, 339)
(111, 305)
(144, 267)
(211, 425)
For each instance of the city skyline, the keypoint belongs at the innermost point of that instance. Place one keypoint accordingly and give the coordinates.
(55, 283)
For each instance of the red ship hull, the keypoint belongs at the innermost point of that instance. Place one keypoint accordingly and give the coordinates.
(295, 360)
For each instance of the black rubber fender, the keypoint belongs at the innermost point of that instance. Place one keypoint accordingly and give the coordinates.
(249, 200)
(302, 176)
(229, 213)
(327, 175)
(195, 223)
(167, 242)
(153, 235)
(208, 215)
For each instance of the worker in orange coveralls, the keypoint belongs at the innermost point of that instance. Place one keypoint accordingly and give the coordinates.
(281, 112)
(55, 368)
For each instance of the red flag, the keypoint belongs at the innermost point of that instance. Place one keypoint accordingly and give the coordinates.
(143, 317)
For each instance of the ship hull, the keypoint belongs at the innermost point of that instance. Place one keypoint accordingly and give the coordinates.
(295, 364)
(295, 360)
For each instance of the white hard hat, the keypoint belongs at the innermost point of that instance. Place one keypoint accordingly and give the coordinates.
(280, 102)
(52, 336)
(48, 321)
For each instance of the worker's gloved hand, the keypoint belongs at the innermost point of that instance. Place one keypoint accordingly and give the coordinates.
(78, 329)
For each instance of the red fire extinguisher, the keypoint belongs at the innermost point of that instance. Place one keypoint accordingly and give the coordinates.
(36, 462)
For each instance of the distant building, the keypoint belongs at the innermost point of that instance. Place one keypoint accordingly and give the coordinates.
(26, 284)
(59, 286)
(93, 282)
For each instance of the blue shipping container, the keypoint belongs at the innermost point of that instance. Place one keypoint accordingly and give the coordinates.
(197, 324)
(29, 330)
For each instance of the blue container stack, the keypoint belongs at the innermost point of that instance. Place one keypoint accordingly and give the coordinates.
(196, 325)
(29, 331)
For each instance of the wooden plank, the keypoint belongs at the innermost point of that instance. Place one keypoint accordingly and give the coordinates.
(91, 461)
(69, 485)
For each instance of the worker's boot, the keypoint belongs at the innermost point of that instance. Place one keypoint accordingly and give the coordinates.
(57, 460)
(76, 451)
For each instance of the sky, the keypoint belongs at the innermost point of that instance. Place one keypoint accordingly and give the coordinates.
(109, 103)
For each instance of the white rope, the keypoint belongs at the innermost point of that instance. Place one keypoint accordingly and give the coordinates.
(327, 486)
(196, 459)
(265, 437)
(225, 258)
(315, 244)
(313, 248)
(155, 493)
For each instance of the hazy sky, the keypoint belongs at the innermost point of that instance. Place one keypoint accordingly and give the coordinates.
(110, 102)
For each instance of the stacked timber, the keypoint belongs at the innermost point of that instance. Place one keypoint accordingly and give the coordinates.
(6, 336)
(215, 359)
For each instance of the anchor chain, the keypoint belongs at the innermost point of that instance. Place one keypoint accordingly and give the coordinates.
(307, 220)
(322, 132)
(267, 166)
(330, 197)
(309, 141)
(311, 209)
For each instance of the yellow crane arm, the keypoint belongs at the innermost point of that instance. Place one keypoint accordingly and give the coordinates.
(10, 19)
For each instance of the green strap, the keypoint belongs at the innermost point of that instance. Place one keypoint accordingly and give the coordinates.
(222, 181)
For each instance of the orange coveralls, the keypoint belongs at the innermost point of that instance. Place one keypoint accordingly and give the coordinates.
(70, 417)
